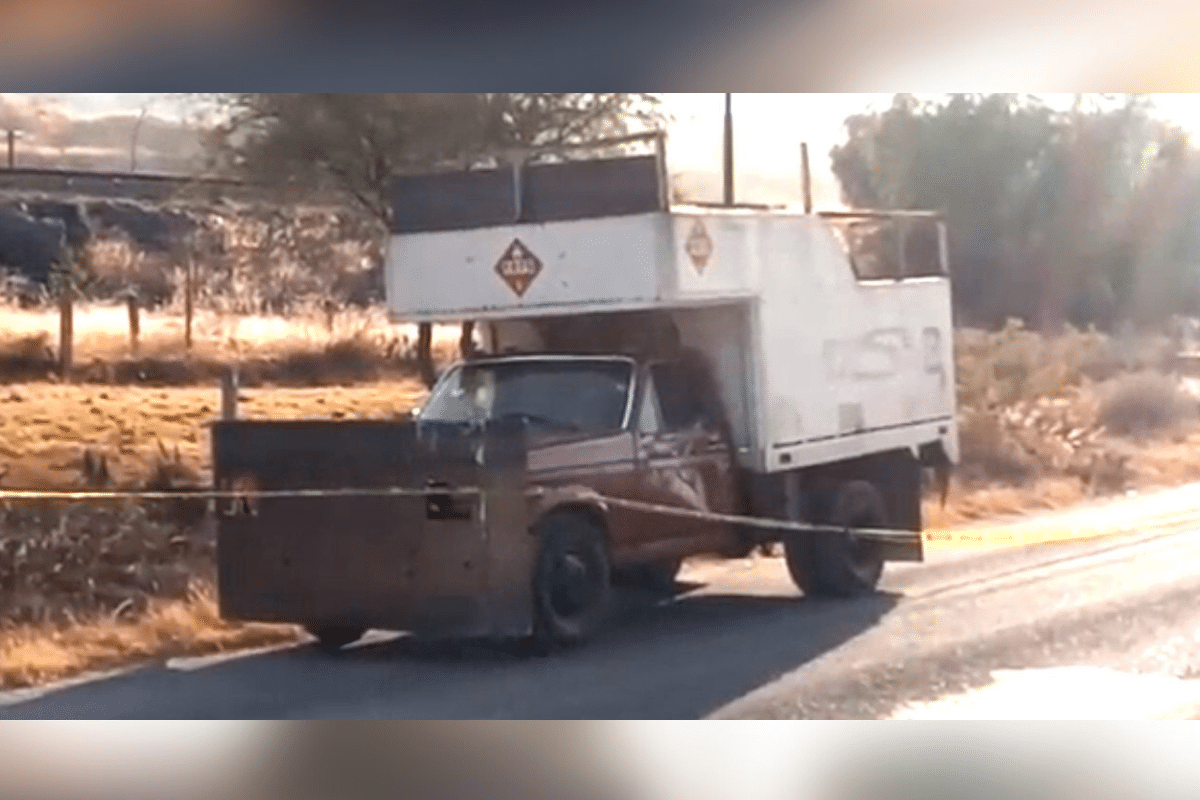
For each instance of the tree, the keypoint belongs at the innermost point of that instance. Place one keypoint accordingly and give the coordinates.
(356, 143)
(966, 156)
(1054, 215)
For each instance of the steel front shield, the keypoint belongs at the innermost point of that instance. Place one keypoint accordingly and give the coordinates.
(438, 564)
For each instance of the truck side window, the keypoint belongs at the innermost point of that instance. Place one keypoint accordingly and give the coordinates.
(679, 397)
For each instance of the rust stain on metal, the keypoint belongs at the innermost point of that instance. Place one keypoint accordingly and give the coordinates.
(518, 267)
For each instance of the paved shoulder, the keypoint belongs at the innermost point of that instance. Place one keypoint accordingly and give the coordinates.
(743, 645)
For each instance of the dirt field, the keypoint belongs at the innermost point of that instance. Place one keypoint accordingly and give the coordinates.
(45, 428)
(351, 346)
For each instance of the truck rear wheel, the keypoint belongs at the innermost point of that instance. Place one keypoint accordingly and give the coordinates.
(335, 637)
(840, 564)
(572, 583)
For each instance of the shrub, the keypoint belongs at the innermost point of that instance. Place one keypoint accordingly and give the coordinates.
(1145, 404)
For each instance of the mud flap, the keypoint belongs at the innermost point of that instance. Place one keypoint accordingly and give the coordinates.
(905, 546)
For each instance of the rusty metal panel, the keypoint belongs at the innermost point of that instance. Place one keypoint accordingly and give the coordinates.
(413, 563)
(486, 198)
(475, 574)
(315, 559)
(511, 544)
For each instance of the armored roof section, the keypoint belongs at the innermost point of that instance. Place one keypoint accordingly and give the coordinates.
(556, 192)
(528, 191)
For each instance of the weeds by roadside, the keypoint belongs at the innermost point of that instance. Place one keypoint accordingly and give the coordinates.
(1073, 407)
(1145, 404)
(36, 654)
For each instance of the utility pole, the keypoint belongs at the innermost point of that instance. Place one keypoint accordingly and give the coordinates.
(806, 178)
(728, 161)
(133, 141)
(12, 148)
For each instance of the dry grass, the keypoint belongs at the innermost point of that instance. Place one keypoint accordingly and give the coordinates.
(1046, 422)
(1145, 404)
(351, 346)
(61, 563)
(44, 428)
(102, 331)
(36, 654)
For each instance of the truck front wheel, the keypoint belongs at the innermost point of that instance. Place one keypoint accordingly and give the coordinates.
(572, 582)
(839, 564)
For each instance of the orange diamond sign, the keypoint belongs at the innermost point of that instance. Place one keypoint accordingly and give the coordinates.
(699, 246)
(518, 267)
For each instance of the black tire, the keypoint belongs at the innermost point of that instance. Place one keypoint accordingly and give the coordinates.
(839, 564)
(572, 582)
(335, 637)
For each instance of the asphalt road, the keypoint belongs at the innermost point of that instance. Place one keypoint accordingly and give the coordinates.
(743, 644)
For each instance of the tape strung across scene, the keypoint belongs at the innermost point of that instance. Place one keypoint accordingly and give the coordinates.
(438, 491)
(1013, 533)
(231, 494)
(1023, 533)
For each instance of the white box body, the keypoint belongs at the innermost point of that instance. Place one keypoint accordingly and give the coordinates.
(814, 364)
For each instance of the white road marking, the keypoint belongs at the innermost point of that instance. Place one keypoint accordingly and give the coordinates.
(1067, 693)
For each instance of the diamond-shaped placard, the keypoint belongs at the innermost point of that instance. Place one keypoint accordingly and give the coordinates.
(699, 246)
(518, 267)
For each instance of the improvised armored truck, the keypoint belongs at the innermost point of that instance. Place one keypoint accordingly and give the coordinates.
(654, 382)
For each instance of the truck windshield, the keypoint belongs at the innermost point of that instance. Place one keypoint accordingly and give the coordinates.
(577, 395)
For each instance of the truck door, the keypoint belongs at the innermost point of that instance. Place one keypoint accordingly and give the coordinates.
(685, 458)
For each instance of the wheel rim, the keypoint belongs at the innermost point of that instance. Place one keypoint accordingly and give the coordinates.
(572, 586)
(864, 554)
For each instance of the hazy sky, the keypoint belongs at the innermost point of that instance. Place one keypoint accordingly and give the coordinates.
(768, 131)
(698, 116)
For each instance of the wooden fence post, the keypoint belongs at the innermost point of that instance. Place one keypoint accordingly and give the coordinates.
(135, 322)
(66, 329)
(229, 394)
(329, 308)
(189, 289)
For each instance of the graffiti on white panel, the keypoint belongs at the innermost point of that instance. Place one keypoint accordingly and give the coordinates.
(876, 355)
(932, 353)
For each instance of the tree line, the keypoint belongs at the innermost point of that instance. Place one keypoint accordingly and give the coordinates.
(1087, 215)
(355, 143)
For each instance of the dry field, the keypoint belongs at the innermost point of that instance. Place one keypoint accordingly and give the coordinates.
(349, 346)
(46, 428)
(1046, 422)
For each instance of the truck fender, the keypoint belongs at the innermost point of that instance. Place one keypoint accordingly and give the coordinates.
(578, 499)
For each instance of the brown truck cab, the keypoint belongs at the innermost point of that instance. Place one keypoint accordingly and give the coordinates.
(612, 427)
